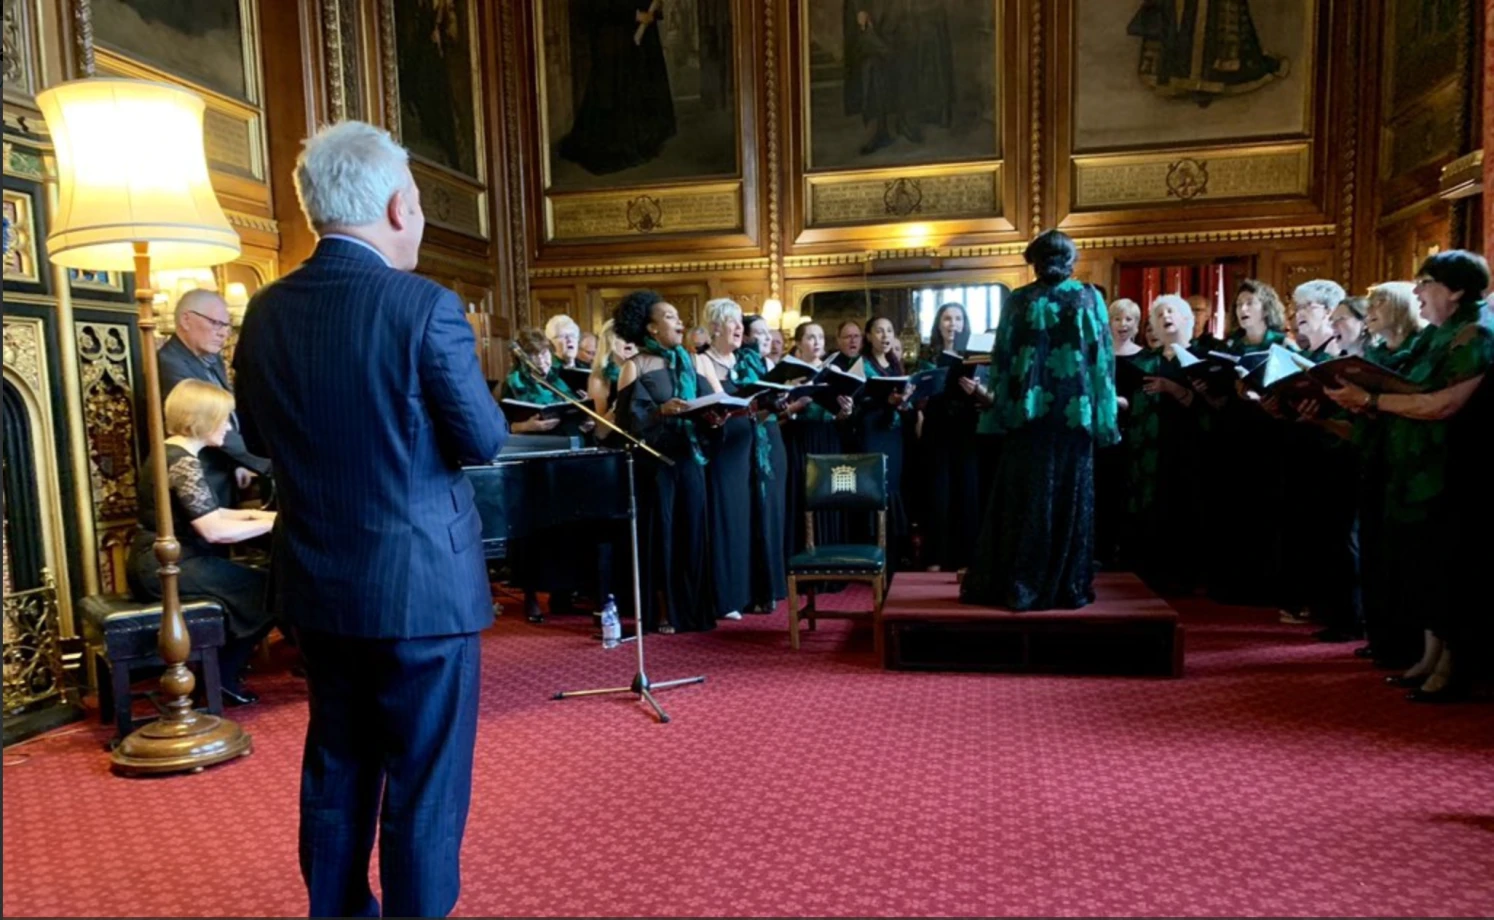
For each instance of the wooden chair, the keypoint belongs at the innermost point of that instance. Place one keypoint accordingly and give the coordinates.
(855, 483)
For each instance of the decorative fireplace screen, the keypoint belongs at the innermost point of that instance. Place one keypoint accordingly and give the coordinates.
(33, 653)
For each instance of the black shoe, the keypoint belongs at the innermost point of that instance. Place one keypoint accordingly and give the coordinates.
(532, 611)
(1400, 680)
(1365, 651)
(1450, 693)
(242, 696)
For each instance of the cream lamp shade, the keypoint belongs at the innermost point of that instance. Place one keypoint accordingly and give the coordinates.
(790, 320)
(772, 312)
(131, 169)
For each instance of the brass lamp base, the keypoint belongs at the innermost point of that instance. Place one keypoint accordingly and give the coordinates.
(181, 746)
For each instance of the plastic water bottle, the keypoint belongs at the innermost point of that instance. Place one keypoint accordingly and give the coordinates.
(611, 625)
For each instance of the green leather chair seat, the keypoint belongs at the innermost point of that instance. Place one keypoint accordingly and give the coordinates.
(838, 559)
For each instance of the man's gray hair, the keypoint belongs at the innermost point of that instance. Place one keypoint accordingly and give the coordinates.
(559, 326)
(194, 299)
(347, 173)
(721, 309)
(1328, 293)
(1183, 308)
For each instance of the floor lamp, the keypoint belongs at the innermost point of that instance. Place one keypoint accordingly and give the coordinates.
(134, 195)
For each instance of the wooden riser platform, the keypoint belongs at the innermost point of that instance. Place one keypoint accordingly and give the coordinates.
(1127, 630)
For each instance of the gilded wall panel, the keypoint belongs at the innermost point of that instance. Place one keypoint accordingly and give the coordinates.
(672, 210)
(887, 197)
(1169, 178)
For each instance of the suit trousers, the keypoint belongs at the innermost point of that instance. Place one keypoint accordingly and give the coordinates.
(388, 746)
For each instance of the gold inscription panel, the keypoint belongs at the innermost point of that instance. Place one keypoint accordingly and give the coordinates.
(646, 212)
(1177, 177)
(451, 203)
(892, 197)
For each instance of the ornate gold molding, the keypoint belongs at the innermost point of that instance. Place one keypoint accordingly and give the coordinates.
(652, 268)
(83, 37)
(1349, 149)
(1463, 176)
(452, 201)
(25, 365)
(510, 96)
(389, 67)
(1207, 236)
(253, 222)
(24, 163)
(20, 248)
(775, 165)
(1035, 118)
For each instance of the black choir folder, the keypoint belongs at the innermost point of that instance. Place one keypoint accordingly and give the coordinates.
(769, 393)
(714, 403)
(834, 382)
(577, 378)
(517, 410)
(1311, 381)
(924, 383)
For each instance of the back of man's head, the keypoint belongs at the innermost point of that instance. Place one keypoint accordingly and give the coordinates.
(353, 178)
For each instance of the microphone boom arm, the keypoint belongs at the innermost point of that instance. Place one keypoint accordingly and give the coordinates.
(540, 379)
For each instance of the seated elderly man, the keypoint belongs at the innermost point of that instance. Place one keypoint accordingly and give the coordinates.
(194, 352)
(586, 352)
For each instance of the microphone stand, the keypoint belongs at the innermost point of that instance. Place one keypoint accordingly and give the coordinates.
(640, 686)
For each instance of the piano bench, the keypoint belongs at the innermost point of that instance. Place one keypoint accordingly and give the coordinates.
(121, 634)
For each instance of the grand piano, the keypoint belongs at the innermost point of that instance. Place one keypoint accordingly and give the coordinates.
(545, 482)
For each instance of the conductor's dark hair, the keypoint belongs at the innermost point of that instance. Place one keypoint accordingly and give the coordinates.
(1052, 256)
(630, 318)
(1458, 270)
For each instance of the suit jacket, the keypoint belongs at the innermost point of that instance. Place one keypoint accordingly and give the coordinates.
(177, 363)
(361, 382)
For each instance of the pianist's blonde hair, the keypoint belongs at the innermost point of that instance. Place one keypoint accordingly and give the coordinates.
(195, 409)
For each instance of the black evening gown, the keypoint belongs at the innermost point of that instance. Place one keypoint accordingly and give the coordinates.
(878, 429)
(952, 464)
(729, 484)
(1113, 524)
(561, 560)
(1045, 483)
(673, 523)
(815, 431)
(769, 499)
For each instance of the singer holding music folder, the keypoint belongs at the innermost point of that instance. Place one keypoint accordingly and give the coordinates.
(672, 520)
(532, 407)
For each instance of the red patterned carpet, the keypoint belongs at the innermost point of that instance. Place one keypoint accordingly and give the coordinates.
(1279, 777)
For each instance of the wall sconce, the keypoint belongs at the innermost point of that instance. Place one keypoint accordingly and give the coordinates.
(790, 320)
(236, 295)
(772, 312)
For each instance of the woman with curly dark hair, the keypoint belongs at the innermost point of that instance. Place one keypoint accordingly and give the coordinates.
(672, 522)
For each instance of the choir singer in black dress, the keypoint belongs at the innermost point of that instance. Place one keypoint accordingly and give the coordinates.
(729, 473)
(673, 525)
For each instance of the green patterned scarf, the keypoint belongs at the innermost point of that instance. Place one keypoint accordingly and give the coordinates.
(750, 368)
(681, 369)
(611, 370)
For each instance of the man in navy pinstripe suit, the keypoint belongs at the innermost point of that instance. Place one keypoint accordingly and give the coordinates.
(360, 382)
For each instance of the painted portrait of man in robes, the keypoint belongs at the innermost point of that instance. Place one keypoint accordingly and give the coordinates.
(1201, 49)
(438, 98)
(1155, 73)
(883, 87)
(638, 91)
